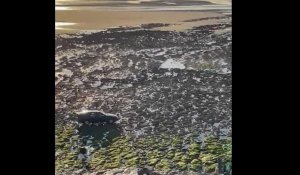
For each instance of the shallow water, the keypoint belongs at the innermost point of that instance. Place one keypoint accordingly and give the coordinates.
(98, 135)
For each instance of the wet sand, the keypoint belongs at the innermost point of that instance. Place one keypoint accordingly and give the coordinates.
(76, 20)
(77, 15)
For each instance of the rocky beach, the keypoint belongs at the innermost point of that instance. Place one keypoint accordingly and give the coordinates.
(145, 98)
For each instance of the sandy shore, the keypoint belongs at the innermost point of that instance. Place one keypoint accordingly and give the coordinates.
(78, 15)
(76, 20)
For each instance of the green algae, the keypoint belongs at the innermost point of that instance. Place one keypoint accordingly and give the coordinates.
(178, 156)
(168, 154)
(194, 150)
(184, 158)
(208, 158)
(195, 165)
(164, 153)
(205, 66)
(163, 165)
(65, 159)
(181, 166)
(211, 168)
(132, 162)
(152, 162)
(130, 155)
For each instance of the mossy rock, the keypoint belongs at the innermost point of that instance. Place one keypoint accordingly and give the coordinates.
(120, 140)
(177, 156)
(177, 142)
(208, 158)
(181, 166)
(71, 156)
(205, 66)
(64, 140)
(195, 146)
(133, 161)
(211, 168)
(227, 154)
(115, 153)
(59, 145)
(185, 159)
(170, 154)
(116, 158)
(114, 165)
(163, 165)
(195, 165)
(196, 161)
(95, 162)
(163, 146)
(105, 166)
(156, 154)
(123, 154)
(143, 162)
(153, 161)
(130, 155)
(194, 154)
(163, 154)
(215, 149)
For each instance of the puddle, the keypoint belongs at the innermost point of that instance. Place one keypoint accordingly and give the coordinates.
(98, 136)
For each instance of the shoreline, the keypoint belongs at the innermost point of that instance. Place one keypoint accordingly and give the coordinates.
(72, 21)
(76, 16)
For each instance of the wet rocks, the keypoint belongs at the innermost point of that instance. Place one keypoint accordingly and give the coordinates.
(168, 107)
(146, 171)
(82, 151)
